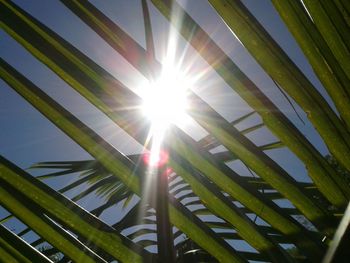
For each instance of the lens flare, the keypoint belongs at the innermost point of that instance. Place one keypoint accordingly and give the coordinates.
(164, 103)
(165, 100)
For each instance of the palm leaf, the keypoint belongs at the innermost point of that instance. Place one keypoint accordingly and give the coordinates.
(84, 11)
(132, 219)
(18, 248)
(318, 53)
(334, 30)
(278, 65)
(311, 205)
(204, 192)
(64, 211)
(103, 152)
(270, 114)
(23, 210)
(208, 202)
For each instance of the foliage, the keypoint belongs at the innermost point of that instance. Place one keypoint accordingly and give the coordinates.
(49, 251)
(209, 202)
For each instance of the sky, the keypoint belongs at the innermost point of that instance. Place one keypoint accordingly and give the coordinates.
(26, 137)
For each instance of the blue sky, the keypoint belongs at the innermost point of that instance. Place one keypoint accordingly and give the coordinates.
(26, 137)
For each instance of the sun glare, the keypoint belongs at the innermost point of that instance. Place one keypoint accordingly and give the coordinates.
(164, 103)
(164, 100)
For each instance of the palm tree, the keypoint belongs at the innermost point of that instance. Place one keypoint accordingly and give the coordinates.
(209, 203)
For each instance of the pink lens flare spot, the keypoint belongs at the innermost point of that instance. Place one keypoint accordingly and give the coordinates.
(157, 161)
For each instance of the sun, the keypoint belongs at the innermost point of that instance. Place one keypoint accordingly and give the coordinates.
(165, 103)
(165, 99)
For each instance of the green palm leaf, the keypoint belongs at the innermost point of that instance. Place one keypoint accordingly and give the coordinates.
(104, 153)
(226, 210)
(18, 248)
(270, 114)
(65, 212)
(96, 19)
(217, 208)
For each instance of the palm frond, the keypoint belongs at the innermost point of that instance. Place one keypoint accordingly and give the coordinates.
(270, 114)
(225, 189)
(101, 150)
(18, 248)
